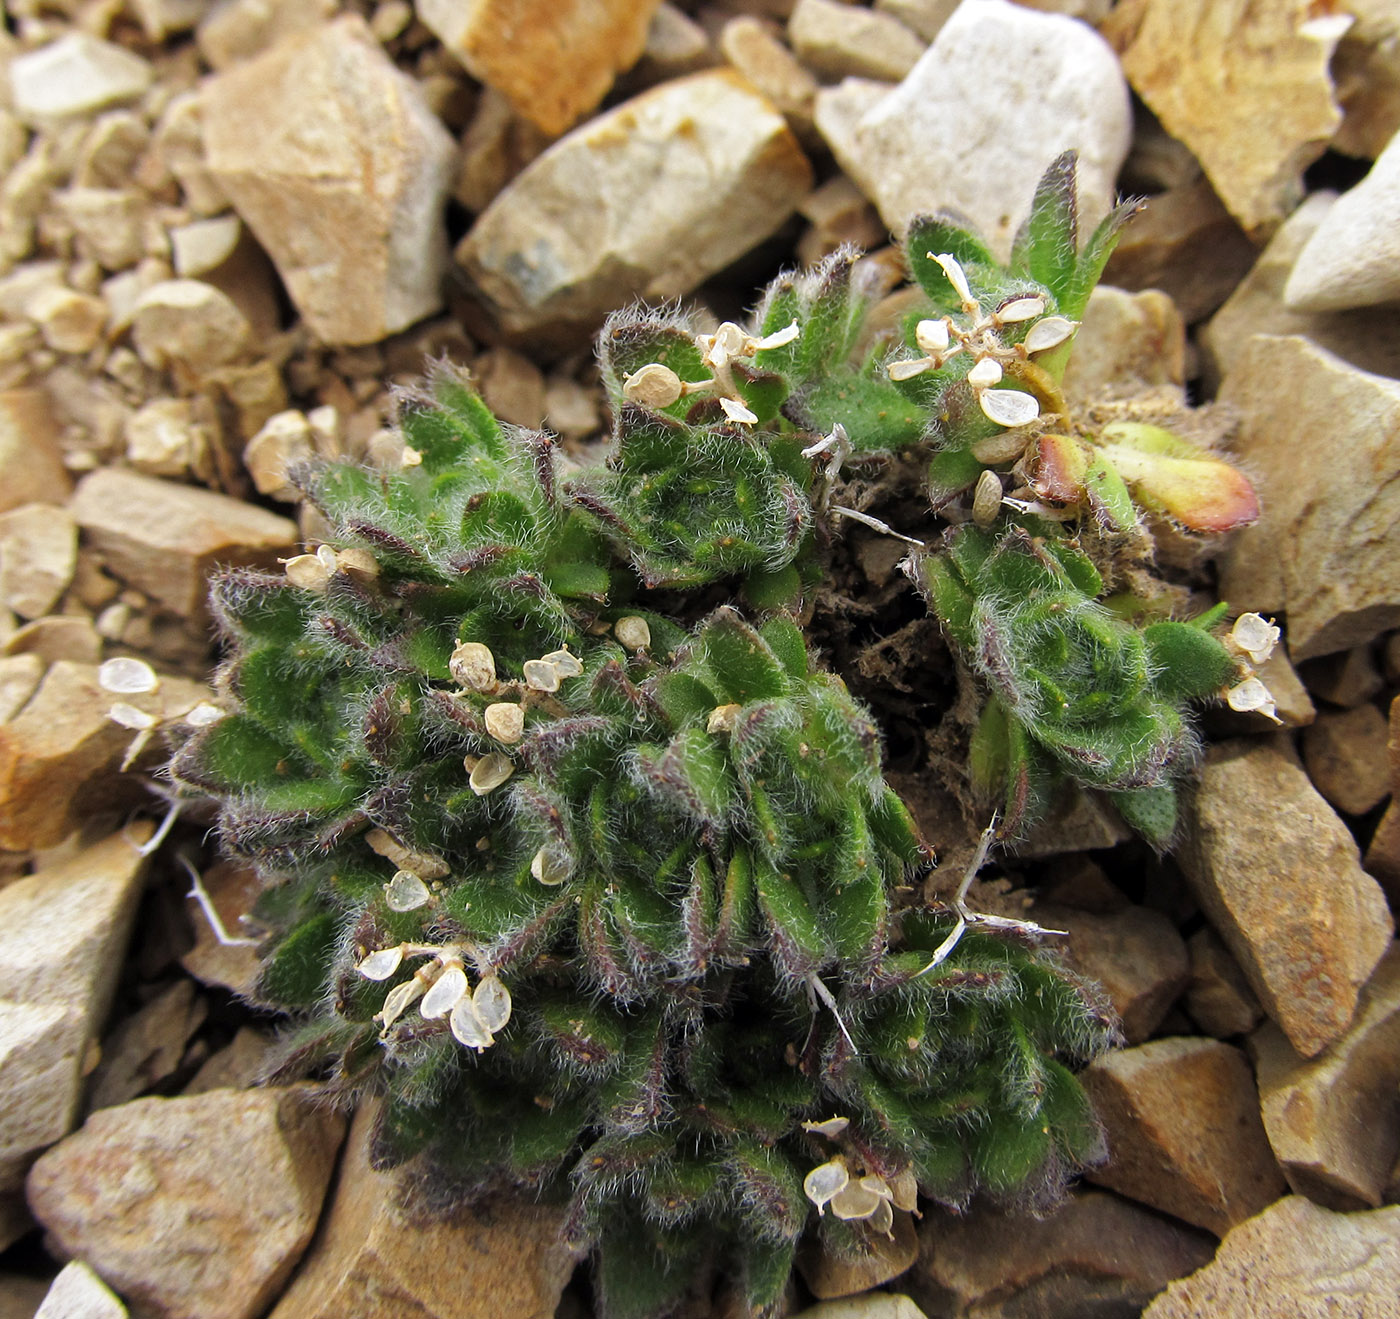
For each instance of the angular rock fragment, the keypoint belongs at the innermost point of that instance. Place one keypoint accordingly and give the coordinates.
(188, 323)
(1366, 70)
(373, 1260)
(75, 75)
(1345, 755)
(78, 1293)
(839, 41)
(146, 1047)
(31, 462)
(236, 30)
(1181, 1117)
(1219, 998)
(196, 1207)
(1128, 342)
(38, 556)
(1295, 1261)
(1307, 936)
(1024, 86)
(1321, 549)
(163, 538)
(1334, 1120)
(563, 244)
(828, 1274)
(1245, 86)
(332, 157)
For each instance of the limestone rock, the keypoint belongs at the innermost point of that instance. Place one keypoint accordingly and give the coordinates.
(38, 556)
(1320, 551)
(1245, 86)
(565, 243)
(553, 60)
(203, 245)
(1185, 243)
(163, 538)
(196, 1207)
(873, 1305)
(1383, 854)
(1181, 1116)
(57, 637)
(828, 1275)
(75, 75)
(1309, 937)
(237, 1066)
(236, 30)
(1347, 678)
(372, 1260)
(1096, 1255)
(838, 213)
(511, 385)
(146, 1047)
(282, 441)
(70, 322)
(1128, 342)
(232, 888)
(1295, 1261)
(31, 462)
(20, 676)
(1352, 259)
(836, 40)
(1345, 755)
(1366, 70)
(332, 157)
(1135, 954)
(166, 437)
(1218, 998)
(63, 934)
(109, 223)
(78, 1293)
(1334, 1120)
(1023, 86)
(923, 17)
(676, 45)
(188, 323)
(754, 49)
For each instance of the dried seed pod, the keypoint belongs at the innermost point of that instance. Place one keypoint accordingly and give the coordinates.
(309, 572)
(473, 666)
(985, 374)
(125, 676)
(1016, 310)
(1048, 333)
(491, 999)
(446, 992)
(568, 664)
(406, 892)
(541, 676)
(632, 632)
(653, 386)
(986, 498)
(1003, 447)
(505, 721)
(468, 1027)
(549, 868)
(490, 772)
(1008, 407)
(382, 964)
(825, 1182)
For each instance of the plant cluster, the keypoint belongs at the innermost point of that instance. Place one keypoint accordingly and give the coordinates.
(576, 855)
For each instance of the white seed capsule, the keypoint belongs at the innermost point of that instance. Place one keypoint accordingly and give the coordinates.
(203, 714)
(854, 1202)
(473, 666)
(1008, 407)
(1020, 309)
(128, 716)
(1049, 333)
(909, 368)
(904, 1190)
(308, 572)
(632, 632)
(831, 1128)
(447, 991)
(359, 562)
(986, 498)
(398, 999)
(735, 410)
(382, 964)
(653, 386)
(882, 1220)
(406, 892)
(1002, 447)
(541, 675)
(505, 721)
(125, 676)
(568, 664)
(1256, 636)
(490, 772)
(548, 867)
(491, 999)
(825, 1182)
(468, 1027)
(985, 374)
(932, 336)
(1252, 695)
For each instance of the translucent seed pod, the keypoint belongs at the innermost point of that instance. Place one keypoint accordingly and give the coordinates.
(904, 1190)
(632, 632)
(125, 676)
(307, 572)
(777, 339)
(490, 772)
(446, 992)
(1255, 636)
(831, 1128)
(956, 277)
(397, 1001)
(876, 1185)
(932, 336)
(406, 892)
(1048, 333)
(505, 721)
(985, 374)
(568, 664)
(1008, 407)
(491, 999)
(382, 964)
(128, 716)
(473, 666)
(653, 386)
(541, 676)
(1003, 447)
(549, 868)
(1020, 309)
(203, 714)
(882, 1220)
(986, 499)
(468, 1027)
(738, 412)
(909, 368)
(854, 1201)
(1252, 695)
(825, 1182)
(357, 561)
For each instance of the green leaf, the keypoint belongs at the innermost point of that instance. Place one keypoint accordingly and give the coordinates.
(1108, 495)
(1188, 664)
(950, 472)
(1152, 812)
(799, 942)
(744, 667)
(295, 975)
(931, 236)
(1047, 248)
(691, 773)
(1094, 258)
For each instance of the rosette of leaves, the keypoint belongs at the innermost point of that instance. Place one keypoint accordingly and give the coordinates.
(1076, 692)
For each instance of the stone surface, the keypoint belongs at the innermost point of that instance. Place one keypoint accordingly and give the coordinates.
(1345, 755)
(163, 538)
(1128, 342)
(553, 60)
(20, 676)
(167, 437)
(78, 1293)
(753, 48)
(875, 1305)
(21, 1296)
(1334, 1120)
(1135, 954)
(146, 1047)
(38, 556)
(196, 1207)
(333, 159)
(31, 462)
(564, 244)
(1244, 85)
(237, 1066)
(1097, 1255)
(1257, 307)
(372, 1260)
(236, 30)
(1383, 854)
(232, 889)
(1295, 1261)
(59, 754)
(76, 75)
(923, 17)
(70, 322)
(1185, 243)
(188, 323)
(57, 637)
(1309, 937)
(1023, 86)
(838, 213)
(109, 223)
(1353, 257)
(1349, 678)
(828, 1275)
(1320, 551)
(63, 934)
(837, 40)
(1181, 1116)
(1366, 70)
(1218, 997)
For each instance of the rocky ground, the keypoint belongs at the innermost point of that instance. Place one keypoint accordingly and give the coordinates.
(230, 228)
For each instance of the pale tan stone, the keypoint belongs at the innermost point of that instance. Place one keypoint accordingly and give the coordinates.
(70, 322)
(1366, 70)
(196, 1207)
(38, 556)
(571, 410)
(828, 1274)
(63, 935)
(177, 154)
(676, 45)
(838, 213)
(236, 30)
(237, 1066)
(1128, 342)
(110, 223)
(147, 1047)
(497, 145)
(1095, 1255)
(57, 637)
(1244, 85)
(837, 40)
(563, 245)
(78, 1293)
(512, 385)
(553, 60)
(283, 440)
(922, 17)
(1295, 1261)
(186, 323)
(164, 538)
(164, 437)
(20, 676)
(333, 159)
(204, 245)
(1334, 1120)
(873, 1305)
(1345, 756)
(256, 391)
(110, 149)
(1320, 551)
(755, 50)
(232, 888)
(1218, 998)
(1309, 938)
(1181, 1117)
(374, 1259)
(75, 75)
(1346, 678)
